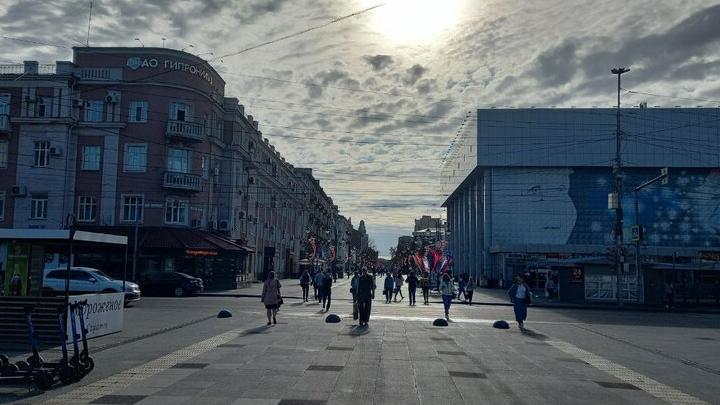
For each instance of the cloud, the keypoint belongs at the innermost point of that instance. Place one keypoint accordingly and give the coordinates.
(414, 74)
(557, 65)
(379, 62)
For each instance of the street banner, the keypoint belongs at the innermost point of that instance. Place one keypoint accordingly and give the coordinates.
(104, 313)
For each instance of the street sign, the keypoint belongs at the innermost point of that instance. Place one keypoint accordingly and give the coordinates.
(613, 201)
(664, 174)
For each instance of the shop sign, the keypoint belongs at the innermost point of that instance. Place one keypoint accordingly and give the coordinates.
(17, 273)
(103, 313)
(577, 275)
(200, 252)
(136, 62)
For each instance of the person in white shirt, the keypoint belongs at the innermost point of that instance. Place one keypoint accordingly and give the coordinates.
(520, 296)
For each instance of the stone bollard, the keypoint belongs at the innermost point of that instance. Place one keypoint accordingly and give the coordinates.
(332, 318)
(501, 325)
(440, 322)
(224, 314)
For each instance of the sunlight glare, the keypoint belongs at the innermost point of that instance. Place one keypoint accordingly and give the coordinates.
(414, 21)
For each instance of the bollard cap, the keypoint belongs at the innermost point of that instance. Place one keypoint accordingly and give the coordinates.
(440, 322)
(501, 325)
(332, 318)
(224, 314)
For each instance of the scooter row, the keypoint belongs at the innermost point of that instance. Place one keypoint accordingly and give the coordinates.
(44, 374)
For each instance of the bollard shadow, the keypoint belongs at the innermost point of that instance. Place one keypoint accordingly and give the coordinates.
(532, 334)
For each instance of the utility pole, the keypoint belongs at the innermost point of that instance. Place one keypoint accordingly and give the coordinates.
(617, 173)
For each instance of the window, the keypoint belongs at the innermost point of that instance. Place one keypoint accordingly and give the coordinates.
(5, 104)
(3, 154)
(138, 111)
(87, 209)
(38, 207)
(91, 157)
(132, 208)
(2, 205)
(180, 111)
(45, 107)
(94, 110)
(178, 160)
(58, 274)
(135, 157)
(42, 153)
(176, 212)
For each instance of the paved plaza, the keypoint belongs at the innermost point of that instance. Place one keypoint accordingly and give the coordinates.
(564, 357)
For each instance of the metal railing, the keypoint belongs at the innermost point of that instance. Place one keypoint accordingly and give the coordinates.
(94, 73)
(18, 69)
(184, 129)
(183, 181)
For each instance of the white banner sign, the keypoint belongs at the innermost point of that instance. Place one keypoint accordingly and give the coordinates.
(103, 314)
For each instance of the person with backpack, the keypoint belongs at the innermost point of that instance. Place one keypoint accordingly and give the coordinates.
(521, 297)
(305, 285)
(412, 282)
(271, 297)
(318, 284)
(326, 290)
(425, 287)
(353, 292)
(461, 287)
(388, 287)
(447, 290)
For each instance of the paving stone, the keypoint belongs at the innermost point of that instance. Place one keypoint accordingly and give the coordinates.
(617, 385)
(119, 399)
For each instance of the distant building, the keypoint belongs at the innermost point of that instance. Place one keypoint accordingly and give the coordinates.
(528, 193)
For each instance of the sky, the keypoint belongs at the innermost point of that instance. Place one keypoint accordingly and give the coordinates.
(373, 101)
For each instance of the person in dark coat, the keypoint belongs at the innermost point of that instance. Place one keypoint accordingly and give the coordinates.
(365, 294)
(326, 291)
(412, 282)
(425, 287)
(305, 285)
(388, 287)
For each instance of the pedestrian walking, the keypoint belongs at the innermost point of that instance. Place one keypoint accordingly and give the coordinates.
(353, 291)
(669, 295)
(305, 281)
(317, 283)
(425, 287)
(398, 286)
(412, 282)
(521, 297)
(365, 294)
(550, 288)
(271, 297)
(388, 287)
(447, 290)
(327, 291)
(469, 289)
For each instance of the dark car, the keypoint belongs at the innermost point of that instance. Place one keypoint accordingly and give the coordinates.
(171, 283)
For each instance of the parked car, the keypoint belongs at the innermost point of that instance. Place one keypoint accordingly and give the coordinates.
(171, 283)
(87, 280)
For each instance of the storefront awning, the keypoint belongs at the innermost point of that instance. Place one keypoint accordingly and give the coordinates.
(192, 241)
(62, 235)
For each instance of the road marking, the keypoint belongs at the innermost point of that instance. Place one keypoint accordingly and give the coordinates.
(106, 386)
(645, 383)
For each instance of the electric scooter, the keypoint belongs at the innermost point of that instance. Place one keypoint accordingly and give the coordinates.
(66, 372)
(85, 359)
(22, 371)
(80, 370)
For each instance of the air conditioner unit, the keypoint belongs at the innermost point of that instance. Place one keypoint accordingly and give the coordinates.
(241, 215)
(224, 225)
(212, 225)
(30, 98)
(251, 180)
(216, 171)
(195, 223)
(113, 97)
(55, 151)
(78, 102)
(18, 191)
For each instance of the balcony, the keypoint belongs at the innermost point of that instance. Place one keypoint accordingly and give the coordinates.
(187, 130)
(182, 181)
(4, 124)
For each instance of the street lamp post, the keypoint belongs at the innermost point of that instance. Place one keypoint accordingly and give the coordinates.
(617, 171)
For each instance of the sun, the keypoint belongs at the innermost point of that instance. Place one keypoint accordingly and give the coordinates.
(414, 21)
